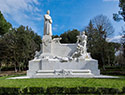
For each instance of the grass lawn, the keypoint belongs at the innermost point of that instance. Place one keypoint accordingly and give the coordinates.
(63, 82)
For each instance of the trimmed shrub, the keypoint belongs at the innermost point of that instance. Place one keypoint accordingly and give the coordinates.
(113, 70)
(36, 90)
(87, 90)
(23, 90)
(59, 90)
(74, 90)
(55, 90)
(66, 90)
(6, 90)
(123, 90)
(107, 91)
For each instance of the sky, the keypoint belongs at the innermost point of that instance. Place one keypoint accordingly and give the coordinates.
(66, 14)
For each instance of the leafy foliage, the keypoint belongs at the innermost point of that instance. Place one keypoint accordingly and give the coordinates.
(98, 30)
(4, 25)
(118, 17)
(19, 46)
(69, 36)
(60, 90)
(121, 12)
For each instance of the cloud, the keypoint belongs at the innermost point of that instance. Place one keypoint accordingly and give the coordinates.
(109, 0)
(115, 39)
(22, 12)
(56, 27)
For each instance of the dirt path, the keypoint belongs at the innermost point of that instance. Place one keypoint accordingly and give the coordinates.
(6, 73)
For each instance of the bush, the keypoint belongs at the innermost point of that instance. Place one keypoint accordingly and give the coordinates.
(107, 91)
(36, 90)
(74, 90)
(6, 90)
(31, 90)
(87, 90)
(113, 72)
(123, 90)
(55, 90)
(10, 68)
(23, 90)
(59, 90)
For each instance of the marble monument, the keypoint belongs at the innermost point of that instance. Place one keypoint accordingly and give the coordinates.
(62, 60)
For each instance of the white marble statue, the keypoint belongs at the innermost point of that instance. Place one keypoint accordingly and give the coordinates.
(82, 40)
(47, 24)
(57, 60)
(81, 47)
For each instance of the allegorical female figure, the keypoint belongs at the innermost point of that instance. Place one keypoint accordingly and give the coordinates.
(47, 24)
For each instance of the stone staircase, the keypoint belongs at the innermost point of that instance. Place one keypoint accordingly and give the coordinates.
(61, 73)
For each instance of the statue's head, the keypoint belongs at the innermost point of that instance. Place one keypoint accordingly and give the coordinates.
(48, 12)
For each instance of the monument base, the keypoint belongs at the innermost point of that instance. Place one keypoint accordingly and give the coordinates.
(41, 68)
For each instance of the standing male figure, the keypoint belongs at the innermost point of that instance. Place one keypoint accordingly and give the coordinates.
(47, 24)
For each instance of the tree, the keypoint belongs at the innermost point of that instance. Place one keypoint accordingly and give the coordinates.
(117, 17)
(123, 42)
(103, 26)
(17, 46)
(21, 44)
(121, 56)
(4, 25)
(121, 12)
(97, 31)
(91, 35)
(55, 36)
(69, 36)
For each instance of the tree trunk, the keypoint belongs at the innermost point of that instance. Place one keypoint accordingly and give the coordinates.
(19, 68)
(15, 68)
(103, 62)
(0, 67)
(109, 60)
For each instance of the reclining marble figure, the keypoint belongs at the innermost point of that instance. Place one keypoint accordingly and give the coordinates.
(62, 60)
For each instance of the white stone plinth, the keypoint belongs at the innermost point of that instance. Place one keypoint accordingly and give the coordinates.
(45, 68)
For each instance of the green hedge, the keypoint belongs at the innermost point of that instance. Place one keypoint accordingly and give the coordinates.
(113, 70)
(123, 90)
(108, 91)
(7, 90)
(60, 90)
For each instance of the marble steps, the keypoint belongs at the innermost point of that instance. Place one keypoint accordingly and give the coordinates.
(59, 73)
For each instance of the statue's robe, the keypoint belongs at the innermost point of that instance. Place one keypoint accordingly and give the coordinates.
(47, 25)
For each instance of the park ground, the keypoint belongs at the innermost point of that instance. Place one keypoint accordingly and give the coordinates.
(118, 83)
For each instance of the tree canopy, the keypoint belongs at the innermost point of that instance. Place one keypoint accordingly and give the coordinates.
(4, 25)
(70, 36)
(98, 30)
(117, 17)
(121, 13)
(17, 45)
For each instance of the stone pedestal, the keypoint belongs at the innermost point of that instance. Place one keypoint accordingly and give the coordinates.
(45, 68)
(46, 46)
